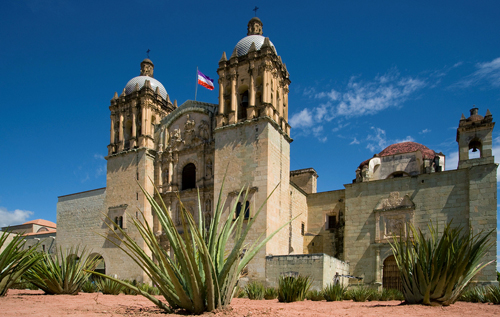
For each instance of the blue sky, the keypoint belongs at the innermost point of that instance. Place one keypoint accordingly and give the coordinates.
(365, 74)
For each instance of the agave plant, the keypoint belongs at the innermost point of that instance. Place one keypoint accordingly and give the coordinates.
(435, 271)
(255, 290)
(108, 287)
(271, 293)
(293, 289)
(315, 295)
(65, 273)
(202, 274)
(334, 292)
(14, 261)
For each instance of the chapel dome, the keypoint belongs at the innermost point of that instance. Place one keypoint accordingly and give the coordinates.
(129, 88)
(254, 35)
(402, 148)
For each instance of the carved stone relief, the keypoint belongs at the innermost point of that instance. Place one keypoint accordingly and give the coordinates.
(392, 215)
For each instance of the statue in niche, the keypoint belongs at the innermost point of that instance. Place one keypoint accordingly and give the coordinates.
(203, 130)
(175, 139)
(189, 130)
(139, 124)
(165, 176)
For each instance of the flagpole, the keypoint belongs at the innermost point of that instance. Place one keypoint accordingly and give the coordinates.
(196, 89)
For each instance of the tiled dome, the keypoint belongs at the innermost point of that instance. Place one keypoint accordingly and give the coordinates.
(244, 44)
(140, 80)
(404, 147)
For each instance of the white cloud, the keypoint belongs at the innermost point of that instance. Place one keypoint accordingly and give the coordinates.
(355, 141)
(487, 71)
(358, 98)
(16, 217)
(378, 140)
(424, 131)
(302, 119)
(318, 133)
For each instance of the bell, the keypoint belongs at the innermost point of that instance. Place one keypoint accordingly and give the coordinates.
(474, 149)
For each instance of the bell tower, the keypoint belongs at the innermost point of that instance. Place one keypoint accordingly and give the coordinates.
(142, 104)
(475, 133)
(131, 160)
(252, 142)
(254, 81)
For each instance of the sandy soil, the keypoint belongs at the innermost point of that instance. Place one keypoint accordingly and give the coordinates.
(34, 303)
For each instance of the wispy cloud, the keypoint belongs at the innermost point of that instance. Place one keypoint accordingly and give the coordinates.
(485, 72)
(424, 131)
(378, 141)
(16, 217)
(358, 98)
(355, 141)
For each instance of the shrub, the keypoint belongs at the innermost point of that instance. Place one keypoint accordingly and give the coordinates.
(474, 295)
(89, 287)
(14, 261)
(240, 292)
(108, 287)
(255, 290)
(293, 289)
(391, 294)
(203, 272)
(62, 274)
(271, 293)
(360, 293)
(493, 294)
(334, 292)
(315, 295)
(435, 271)
(23, 284)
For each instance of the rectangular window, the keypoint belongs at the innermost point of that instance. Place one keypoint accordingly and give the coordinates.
(43, 247)
(302, 228)
(331, 222)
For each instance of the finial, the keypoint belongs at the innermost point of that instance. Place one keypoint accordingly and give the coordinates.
(123, 93)
(115, 96)
(168, 98)
(252, 48)
(235, 53)
(223, 58)
(136, 87)
(175, 103)
(488, 113)
(267, 43)
(147, 52)
(463, 117)
(157, 90)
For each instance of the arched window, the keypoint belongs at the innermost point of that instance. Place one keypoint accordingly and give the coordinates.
(189, 176)
(475, 148)
(242, 108)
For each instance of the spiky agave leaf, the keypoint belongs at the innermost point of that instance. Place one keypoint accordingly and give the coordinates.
(65, 273)
(435, 271)
(14, 261)
(200, 276)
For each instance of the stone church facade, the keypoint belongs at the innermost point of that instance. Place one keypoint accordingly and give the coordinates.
(246, 139)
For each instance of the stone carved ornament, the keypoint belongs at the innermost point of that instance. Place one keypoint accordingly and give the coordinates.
(395, 201)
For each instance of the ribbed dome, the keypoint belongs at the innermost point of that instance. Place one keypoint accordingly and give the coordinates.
(140, 80)
(244, 44)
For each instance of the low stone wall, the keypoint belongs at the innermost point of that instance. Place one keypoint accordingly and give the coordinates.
(321, 267)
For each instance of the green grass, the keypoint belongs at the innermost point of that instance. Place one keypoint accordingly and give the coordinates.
(271, 293)
(361, 294)
(255, 290)
(315, 295)
(334, 292)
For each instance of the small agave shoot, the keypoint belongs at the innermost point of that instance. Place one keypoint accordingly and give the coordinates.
(66, 273)
(202, 274)
(435, 271)
(14, 261)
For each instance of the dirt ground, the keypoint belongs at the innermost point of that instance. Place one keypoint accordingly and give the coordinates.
(34, 303)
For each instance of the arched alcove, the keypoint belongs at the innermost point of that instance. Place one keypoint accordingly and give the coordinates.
(189, 176)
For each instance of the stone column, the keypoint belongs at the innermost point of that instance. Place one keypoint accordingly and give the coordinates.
(221, 96)
(120, 133)
(233, 115)
(133, 144)
(251, 95)
(112, 134)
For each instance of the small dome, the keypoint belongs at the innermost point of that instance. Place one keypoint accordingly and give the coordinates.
(474, 115)
(141, 80)
(244, 44)
(404, 147)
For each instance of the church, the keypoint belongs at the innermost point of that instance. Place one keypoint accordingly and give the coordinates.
(245, 138)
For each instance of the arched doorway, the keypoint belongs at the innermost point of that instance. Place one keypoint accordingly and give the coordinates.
(101, 266)
(391, 277)
(189, 176)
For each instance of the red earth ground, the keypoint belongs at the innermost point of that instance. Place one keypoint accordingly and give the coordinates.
(35, 303)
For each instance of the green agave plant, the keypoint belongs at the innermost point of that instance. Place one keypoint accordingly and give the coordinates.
(14, 261)
(334, 292)
(435, 271)
(65, 273)
(293, 289)
(202, 274)
(108, 287)
(255, 290)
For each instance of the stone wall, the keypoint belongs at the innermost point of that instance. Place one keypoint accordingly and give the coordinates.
(372, 214)
(319, 238)
(322, 268)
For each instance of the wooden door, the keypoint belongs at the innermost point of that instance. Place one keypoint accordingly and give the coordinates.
(391, 277)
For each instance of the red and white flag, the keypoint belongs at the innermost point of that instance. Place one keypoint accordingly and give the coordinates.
(205, 81)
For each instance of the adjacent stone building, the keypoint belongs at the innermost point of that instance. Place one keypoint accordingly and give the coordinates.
(246, 139)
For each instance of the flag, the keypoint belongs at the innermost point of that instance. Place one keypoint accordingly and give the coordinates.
(205, 81)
